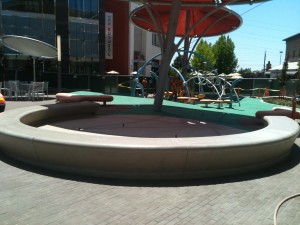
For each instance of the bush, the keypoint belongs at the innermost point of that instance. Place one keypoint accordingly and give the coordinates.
(281, 101)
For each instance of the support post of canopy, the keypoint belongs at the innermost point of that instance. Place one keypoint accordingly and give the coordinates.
(168, 51)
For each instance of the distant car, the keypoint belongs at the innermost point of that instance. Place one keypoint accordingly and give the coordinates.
(2, 103)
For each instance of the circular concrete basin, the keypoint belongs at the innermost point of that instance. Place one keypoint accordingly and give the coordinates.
(47, 136)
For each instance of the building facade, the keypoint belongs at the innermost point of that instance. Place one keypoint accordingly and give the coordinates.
(293, 48)
(292, 55)
(96, 37)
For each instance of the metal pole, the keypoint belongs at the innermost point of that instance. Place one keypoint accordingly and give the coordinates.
(58, 43)
(34, 69)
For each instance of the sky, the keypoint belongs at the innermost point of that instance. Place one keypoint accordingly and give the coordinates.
(264, 27)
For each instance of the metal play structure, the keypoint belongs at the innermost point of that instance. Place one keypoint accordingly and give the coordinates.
(186, 19)
(211, 79)
(216, 83)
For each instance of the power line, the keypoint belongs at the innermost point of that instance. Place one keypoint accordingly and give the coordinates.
(252, 8)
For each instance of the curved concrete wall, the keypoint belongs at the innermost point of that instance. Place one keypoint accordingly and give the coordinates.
(139, 158)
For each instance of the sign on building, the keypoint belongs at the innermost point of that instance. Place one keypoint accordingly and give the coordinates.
(108, 35)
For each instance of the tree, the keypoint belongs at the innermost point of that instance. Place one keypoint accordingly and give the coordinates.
(283, 78)
(226, 61)
(205, 50)
(178, 62)
(245, 72)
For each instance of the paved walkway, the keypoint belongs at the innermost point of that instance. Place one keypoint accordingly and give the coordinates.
(36, 197)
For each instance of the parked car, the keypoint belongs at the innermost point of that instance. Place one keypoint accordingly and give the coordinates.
(2, 103)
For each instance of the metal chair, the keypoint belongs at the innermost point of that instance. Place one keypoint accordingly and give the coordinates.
(7, 88)
(37, 90)
(14, 87)
(46, 84)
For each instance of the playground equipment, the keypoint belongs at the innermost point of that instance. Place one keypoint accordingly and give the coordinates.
(211, 79)
(197, 19)
(216, 83)
(136, 84)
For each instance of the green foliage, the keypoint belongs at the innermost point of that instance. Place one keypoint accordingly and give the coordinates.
(205, 50)
(284, 77)
(172, 73)
(243, 71)
(226, 61)
(178, 62)
(220, 55)
(281, 101)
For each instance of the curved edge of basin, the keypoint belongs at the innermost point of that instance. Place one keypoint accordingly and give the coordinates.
(139, 158)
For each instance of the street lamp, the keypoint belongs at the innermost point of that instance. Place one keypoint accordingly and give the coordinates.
(280, 57)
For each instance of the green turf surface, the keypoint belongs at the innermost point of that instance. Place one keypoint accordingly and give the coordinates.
(227, 116)
(248, 106)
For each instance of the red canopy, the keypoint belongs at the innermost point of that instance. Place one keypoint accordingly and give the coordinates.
(220, 22)
(206, 2)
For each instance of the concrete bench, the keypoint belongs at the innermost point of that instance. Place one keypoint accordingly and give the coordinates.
(129, 157)
(277, 112)
(217, 101)
(68, 97)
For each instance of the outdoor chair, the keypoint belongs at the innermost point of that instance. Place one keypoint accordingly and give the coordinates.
(14, 89)
(17, 90)
(23, 88)
(46, 84)
(7, 89)
(36, 90)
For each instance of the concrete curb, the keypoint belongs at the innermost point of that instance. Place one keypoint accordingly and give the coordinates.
(139, 158)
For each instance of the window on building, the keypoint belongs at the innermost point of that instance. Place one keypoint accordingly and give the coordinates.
(35, 28)
(84, 8)
(22, 24)
(48, 6)
(155, 40)
(294, 53)
(24, 6)
(36, 6)
(76, 8)
(9, 24)
(49, 31)
(83, 40)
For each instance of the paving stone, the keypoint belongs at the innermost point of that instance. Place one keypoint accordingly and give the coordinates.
(31, 196)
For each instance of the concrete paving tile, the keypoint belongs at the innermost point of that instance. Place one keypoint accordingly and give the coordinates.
(30, 196)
